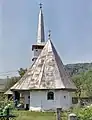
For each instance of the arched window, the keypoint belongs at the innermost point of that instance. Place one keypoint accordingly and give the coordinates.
(50, 96)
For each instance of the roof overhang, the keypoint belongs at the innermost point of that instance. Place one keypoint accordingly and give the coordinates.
(63, 89)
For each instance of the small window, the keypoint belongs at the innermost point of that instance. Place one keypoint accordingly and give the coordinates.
(64, 97)
(50, 96)
(28, 97)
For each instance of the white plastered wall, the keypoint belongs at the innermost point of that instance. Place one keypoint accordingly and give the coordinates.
(38, 100)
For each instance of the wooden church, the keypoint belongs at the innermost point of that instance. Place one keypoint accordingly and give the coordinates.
(46, 85)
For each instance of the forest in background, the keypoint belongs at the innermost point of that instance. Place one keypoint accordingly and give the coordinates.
(80, 73)
(75, 69)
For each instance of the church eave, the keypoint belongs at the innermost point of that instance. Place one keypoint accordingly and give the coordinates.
(56, 89)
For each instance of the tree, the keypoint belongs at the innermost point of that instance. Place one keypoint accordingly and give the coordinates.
(13, 80)
(77, 79)
(88, 83)
(83, 82)
(22, 72)
(10, 82)
(84, 113)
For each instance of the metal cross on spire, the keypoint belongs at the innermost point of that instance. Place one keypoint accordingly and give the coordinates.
(40, 5)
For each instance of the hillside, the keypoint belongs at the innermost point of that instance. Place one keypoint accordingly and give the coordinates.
(74, 69)
(2, 84)
(81, 74)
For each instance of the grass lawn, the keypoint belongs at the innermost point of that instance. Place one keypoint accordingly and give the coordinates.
(28, 115)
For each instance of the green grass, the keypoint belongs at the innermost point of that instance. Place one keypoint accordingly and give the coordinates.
(28, 115)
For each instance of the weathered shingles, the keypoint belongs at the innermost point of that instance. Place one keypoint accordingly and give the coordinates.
(46, 73)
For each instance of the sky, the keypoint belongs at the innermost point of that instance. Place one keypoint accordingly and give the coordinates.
(70, 22)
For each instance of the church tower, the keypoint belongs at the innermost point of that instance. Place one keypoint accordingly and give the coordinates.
(37, 48)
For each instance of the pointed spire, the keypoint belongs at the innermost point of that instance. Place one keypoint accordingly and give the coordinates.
(40, 32)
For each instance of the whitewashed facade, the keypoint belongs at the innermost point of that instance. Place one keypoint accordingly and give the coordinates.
(38, 100)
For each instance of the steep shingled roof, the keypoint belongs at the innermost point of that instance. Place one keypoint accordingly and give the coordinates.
(46, 73)
(8, 92)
